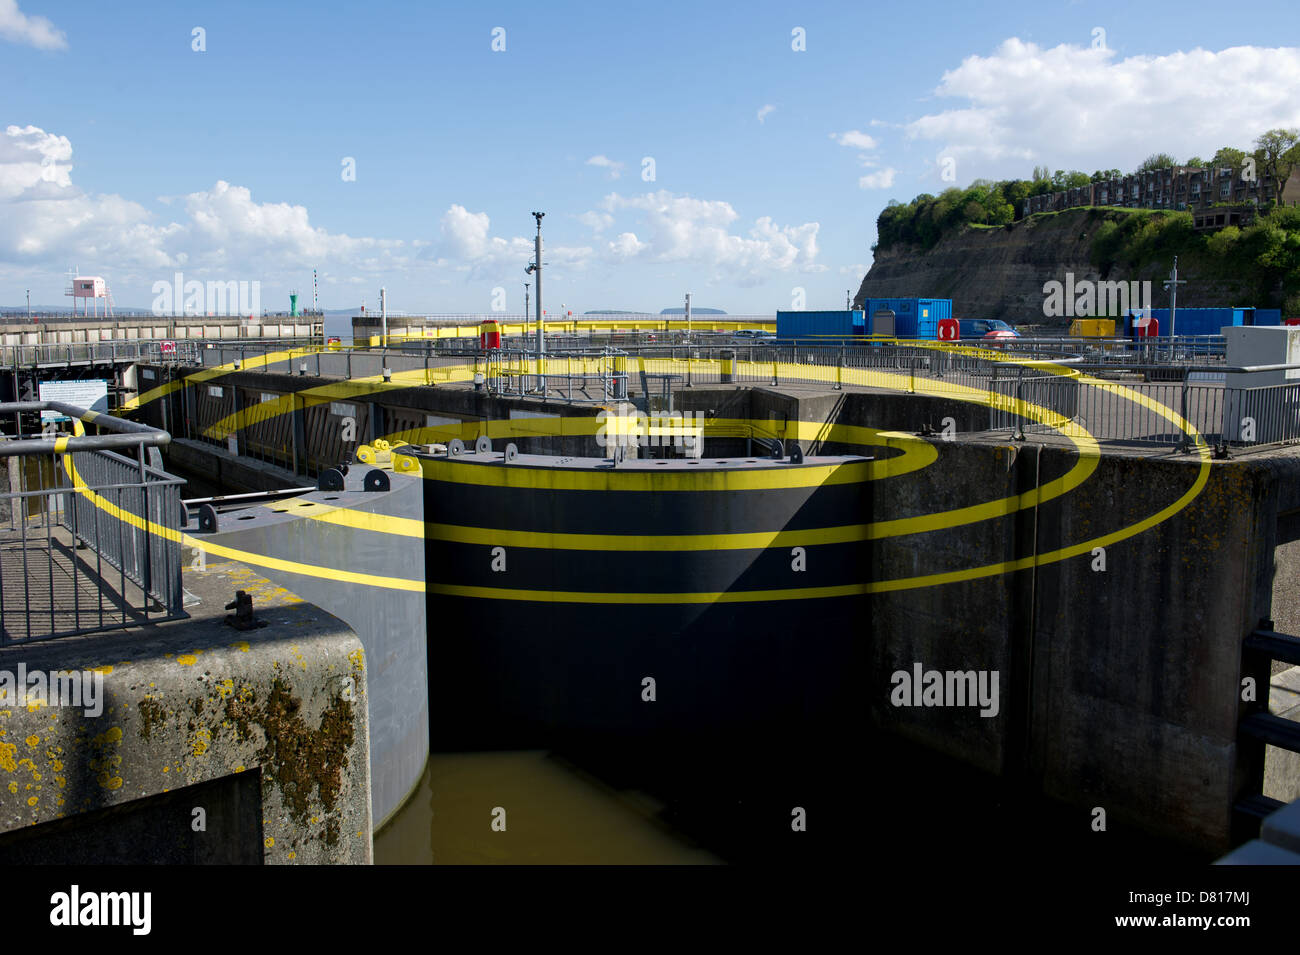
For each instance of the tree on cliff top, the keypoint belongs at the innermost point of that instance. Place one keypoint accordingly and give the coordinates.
(1157, 161)
(1278, 153)
(1228, 157)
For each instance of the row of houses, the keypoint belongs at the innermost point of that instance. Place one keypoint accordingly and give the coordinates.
(1205, 191)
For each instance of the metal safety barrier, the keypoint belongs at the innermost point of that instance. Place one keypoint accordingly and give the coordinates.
(89, 525)
(1131, 392)
(92, 353)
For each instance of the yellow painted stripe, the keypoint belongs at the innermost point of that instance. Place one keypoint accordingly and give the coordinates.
(247, 557)
(756, 540)
(307, 570)
(207, 374)
(1052, 557)
(572, 596)
(1084, 442)
(621, 479)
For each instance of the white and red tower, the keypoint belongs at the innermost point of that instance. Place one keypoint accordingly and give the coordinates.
(89, 289)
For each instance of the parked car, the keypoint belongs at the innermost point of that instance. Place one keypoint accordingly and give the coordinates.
(753, 336)
(986, 328)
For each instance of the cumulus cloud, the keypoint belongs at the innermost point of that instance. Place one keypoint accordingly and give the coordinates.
(48, 221)
(18, 27)
(764, 111)
(615, 169)
(679, 228)
(34, 163)
(1086, 108)
(467, 237)
(626, 246)
(596, 221)
(877, 180)
(855, 139)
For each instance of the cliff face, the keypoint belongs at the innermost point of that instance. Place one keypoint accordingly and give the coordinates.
(1000, 273)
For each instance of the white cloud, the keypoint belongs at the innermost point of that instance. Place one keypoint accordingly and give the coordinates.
(877, 180)
(626, 246)
(466, 238)
(33, 162)
(857, 268)
(856, 139)
(1084, 108)
(596, 221)
(764, 111)
(225, 223)
(604, 162)
(46, 220)
(699, 231)
(39, 32)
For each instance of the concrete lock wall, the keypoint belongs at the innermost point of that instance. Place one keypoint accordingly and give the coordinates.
(1119, 688)
(213, 745)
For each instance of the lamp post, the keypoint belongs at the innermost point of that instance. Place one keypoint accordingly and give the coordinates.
(1172, 284)
(536, 266)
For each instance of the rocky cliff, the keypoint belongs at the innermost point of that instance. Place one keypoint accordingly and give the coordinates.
(1000, 272)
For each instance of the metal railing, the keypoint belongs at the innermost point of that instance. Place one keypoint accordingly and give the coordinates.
(1134, 391)
(89, 353)
(587, 375)
(89, 526)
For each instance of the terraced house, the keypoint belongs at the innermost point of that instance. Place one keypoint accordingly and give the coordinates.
(1209, 192)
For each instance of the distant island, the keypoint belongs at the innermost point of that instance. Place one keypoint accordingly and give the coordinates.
(694, 311)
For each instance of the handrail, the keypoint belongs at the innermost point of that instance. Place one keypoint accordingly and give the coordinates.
(129, 434)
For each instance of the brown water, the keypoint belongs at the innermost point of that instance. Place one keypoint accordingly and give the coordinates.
(554, 814)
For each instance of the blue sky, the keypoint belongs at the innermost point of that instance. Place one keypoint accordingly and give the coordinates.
(126, 153)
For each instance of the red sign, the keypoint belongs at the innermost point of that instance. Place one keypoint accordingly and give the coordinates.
(168, 348)
(949, 330)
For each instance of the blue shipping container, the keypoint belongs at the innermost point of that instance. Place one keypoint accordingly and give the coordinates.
(913, 317)
(816, 327)
(1211, 321)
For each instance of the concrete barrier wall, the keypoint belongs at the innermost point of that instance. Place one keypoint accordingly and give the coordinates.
(1120, 688)
(1120, 682)
(210, 744)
